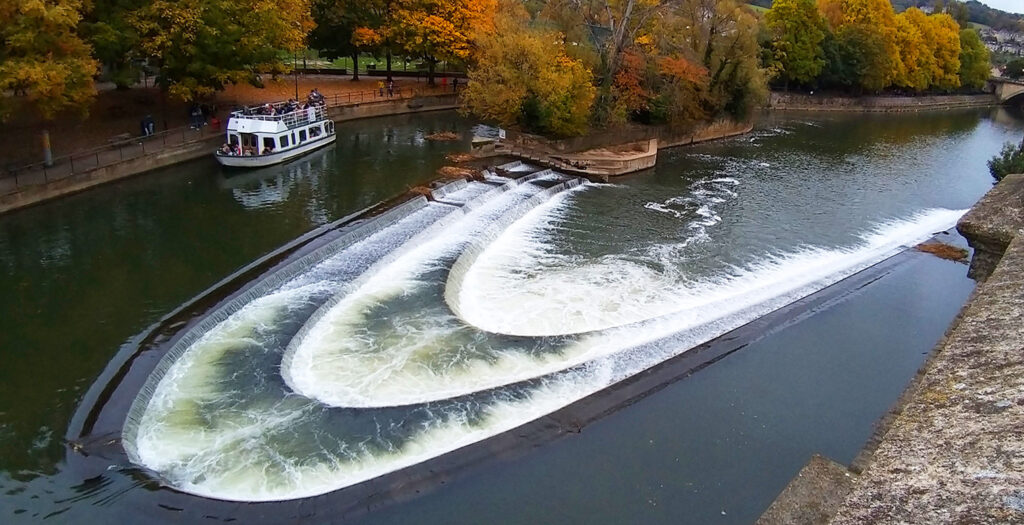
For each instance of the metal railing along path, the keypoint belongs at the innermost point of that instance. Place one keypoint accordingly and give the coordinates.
(13, 179)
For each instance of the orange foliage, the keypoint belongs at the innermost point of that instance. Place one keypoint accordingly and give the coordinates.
(681, 69)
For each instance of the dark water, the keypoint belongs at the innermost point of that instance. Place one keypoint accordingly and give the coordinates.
(80, 276)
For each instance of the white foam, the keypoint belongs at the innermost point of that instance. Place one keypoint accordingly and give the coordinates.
(519, 286)
(429, 356)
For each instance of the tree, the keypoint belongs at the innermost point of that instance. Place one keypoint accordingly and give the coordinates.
(344, 28)
(440, 29)
(1010, 160)
(43, 58)
(722, 38)
(797, 29)
(1014, 69)
(974, 60)
(946, 43)
(916, 54)
(869, 60)
(200, 46)
(113, 39)
(872, 16)
(523, 76)
(920, 74)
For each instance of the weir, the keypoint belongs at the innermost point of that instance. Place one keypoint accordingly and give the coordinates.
(442, 323)
(366, 330)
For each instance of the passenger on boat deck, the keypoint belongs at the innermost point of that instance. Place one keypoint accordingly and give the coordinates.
(226, 150)
(315, 98)
(267, 150)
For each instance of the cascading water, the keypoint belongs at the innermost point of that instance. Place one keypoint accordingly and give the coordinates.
(442, 323)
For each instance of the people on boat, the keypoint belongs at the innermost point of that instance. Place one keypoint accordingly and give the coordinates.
(267, 150)
(315, 98)
(226, 149)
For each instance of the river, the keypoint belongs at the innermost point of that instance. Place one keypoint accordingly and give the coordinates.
(576, 291)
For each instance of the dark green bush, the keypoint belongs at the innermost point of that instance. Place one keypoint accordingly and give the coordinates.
(1010, 160)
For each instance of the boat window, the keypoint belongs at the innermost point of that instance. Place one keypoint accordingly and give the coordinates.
(249, 140)
(293, 138)
(269, 144)
(233, 139)
(330, 126)
(284, 141)
(314, 131)
(302, 135)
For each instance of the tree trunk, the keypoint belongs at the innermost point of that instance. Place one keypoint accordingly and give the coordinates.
(619, 33)
(355, 65)
(431, 63)
(389, 64)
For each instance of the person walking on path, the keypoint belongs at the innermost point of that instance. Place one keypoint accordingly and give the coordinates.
(380, 87)
(148, 126)
(391, 88)
(455, 85)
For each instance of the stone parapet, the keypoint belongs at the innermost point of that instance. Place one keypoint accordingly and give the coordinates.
(992, 224)
(955, 454)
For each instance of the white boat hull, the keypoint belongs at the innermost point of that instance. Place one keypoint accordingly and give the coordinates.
(259, 161)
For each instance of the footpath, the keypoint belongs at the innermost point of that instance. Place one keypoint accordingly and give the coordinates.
(130, 156)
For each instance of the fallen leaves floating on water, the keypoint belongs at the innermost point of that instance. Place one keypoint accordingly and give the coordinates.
(943, 250)
(459, 157)
(442, 136)
(455, 172)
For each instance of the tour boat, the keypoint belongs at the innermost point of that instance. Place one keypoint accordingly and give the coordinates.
(256, 138)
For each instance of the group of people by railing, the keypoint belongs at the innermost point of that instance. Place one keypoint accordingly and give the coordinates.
(314, 100)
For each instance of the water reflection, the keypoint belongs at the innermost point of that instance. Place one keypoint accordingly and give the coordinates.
(266, 187)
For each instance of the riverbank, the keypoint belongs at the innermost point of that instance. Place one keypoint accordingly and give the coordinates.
(600, 156)
(883, 103)
(37, 187)
(952, 450)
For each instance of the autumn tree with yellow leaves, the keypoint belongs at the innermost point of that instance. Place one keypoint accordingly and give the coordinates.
(436, 30)
(42, 58)
(523, 77)
(867, 47)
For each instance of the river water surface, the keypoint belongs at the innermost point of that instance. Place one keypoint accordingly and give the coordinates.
(474, 321)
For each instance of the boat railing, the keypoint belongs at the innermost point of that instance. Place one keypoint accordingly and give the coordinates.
(291, 119)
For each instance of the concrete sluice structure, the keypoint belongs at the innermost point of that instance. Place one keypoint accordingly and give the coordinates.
(436, 325)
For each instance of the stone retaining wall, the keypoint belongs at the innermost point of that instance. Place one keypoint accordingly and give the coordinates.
(800, 101)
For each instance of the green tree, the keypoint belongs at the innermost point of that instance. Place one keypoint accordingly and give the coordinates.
(974, 60)
(798, 30)
(1014, 69)
(869, 63)
(345, 28)
(113, 39)
(42, 57)
(1010, 160)
(200, 46)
